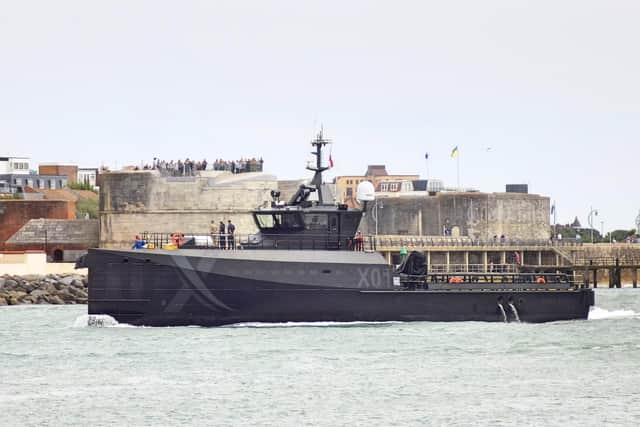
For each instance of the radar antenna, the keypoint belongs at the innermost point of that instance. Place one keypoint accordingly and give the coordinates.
(301, 197)
(319, 144)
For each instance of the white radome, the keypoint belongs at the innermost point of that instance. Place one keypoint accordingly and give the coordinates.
(366, 192)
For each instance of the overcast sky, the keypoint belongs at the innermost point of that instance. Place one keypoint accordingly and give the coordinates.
(538, 92)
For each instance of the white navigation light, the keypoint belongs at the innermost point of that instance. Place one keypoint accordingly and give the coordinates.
(366, 192)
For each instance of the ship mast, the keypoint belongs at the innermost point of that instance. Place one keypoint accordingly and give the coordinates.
(319, 144)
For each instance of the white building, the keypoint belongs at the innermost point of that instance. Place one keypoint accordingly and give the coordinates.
(88, 176)
(14, 165)
(15, 176)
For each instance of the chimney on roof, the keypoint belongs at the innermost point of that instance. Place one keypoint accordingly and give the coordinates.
(376, 170)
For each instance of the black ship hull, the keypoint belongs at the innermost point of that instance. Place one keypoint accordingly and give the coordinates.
(211, 288)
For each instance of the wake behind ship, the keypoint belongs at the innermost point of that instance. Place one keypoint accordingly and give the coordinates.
(308, 263)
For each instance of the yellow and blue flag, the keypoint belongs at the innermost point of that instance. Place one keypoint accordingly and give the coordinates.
(454, 152)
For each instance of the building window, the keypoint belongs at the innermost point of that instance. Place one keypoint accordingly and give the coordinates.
(59, 183)
(50, 183)
(384, 187)
(393, 186)
(38, 183)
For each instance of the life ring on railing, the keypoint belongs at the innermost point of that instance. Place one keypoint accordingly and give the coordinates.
(177, 239)
(455, 279)
(541, 280)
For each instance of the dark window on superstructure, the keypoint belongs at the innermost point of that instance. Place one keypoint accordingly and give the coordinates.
(349, 192)
(316, 221)
(284, 221)
(288, 221)
(265, 220)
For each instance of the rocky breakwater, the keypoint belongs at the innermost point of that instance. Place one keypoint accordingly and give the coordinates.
(50, 289)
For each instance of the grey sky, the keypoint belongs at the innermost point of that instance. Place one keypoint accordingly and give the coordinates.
(551, 86)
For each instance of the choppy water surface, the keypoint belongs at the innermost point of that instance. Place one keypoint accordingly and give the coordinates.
(56, 371)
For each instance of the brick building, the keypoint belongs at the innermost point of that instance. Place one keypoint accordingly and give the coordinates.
(346, 186)
(14, 214)
(16, 175)
(61, 239)
(70, 171)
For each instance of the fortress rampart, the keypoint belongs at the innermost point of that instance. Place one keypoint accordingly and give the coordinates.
(135, 201)
(474, 215)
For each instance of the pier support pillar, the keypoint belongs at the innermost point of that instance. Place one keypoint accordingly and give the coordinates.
(448, 261)
(585, 276)
(539, 258)
(389, 257)
(618, 274)
(503, 258)
(634, 276)
(611, 273)
(595, 276)
(428, 260)
(557, 259)
(466, 261)
(485, 261)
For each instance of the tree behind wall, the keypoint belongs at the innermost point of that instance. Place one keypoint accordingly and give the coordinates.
(87, 206)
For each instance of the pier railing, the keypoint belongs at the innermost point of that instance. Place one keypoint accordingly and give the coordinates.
(439, 241)
(471, 280)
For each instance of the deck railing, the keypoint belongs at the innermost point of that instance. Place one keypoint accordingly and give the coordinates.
(185, 240)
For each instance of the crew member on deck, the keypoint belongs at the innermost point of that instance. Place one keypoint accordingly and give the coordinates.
(231, 229)
(213, 229)
(359, 241)
(223, 238)
(139, 243)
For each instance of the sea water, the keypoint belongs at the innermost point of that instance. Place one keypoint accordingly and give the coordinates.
(56, 370)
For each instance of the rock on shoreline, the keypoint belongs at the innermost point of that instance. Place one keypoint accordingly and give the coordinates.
(49, 289)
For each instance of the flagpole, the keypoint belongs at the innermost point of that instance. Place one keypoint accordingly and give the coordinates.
(458, 168)
(554, 221)
(426, 160)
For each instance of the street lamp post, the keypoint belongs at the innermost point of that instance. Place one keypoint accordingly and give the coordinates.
(375, 213)
(601, 230)
(592, 212)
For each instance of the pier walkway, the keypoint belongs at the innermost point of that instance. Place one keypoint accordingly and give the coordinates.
(587, 262)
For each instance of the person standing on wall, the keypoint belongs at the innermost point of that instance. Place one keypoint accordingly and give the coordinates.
(231, 229)
(222, 239)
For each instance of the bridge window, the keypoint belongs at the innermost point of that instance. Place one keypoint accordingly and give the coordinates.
(316, 221)
(284, 221)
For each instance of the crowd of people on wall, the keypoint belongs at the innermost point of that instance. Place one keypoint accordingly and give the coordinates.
(186, 167)
(189, 167)
(239, 166)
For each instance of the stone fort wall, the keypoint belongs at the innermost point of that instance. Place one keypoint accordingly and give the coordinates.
(476, 215)
(132, 202)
